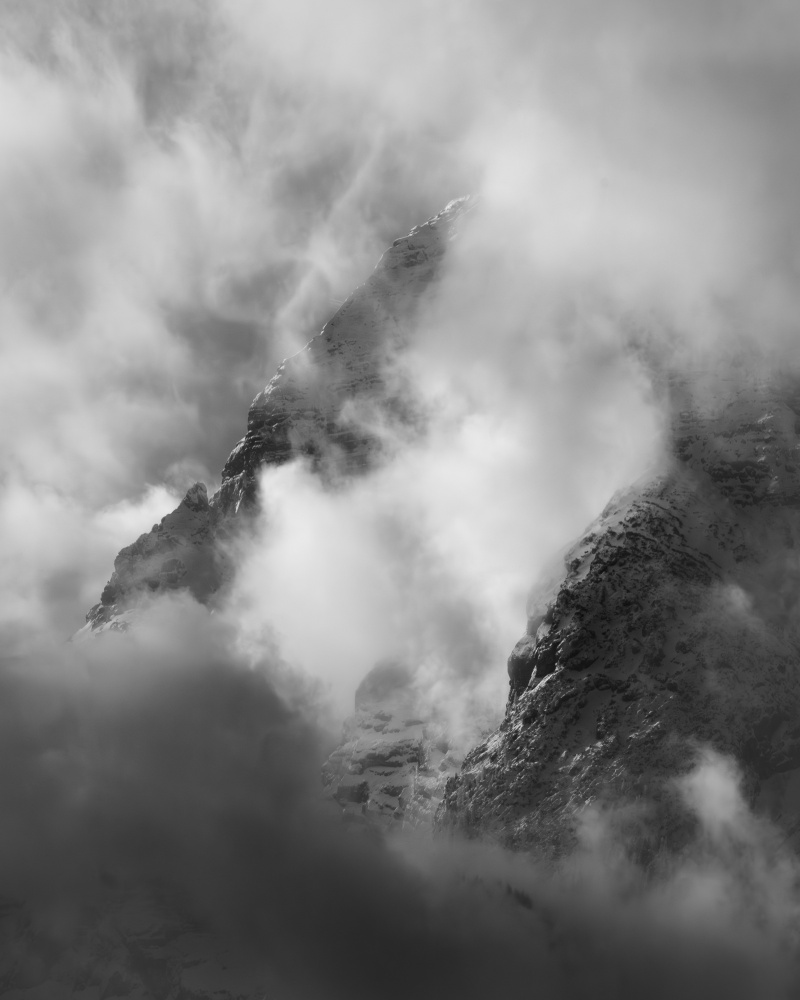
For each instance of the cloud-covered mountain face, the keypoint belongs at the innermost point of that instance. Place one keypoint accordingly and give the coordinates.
(190, 193)
(673, 627)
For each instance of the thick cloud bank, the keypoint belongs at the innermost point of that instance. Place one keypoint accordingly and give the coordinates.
(151, 780)
(187, 191)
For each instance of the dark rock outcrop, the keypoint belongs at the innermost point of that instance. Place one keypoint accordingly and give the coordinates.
(674, 626)
(305, 411)
(179, 552)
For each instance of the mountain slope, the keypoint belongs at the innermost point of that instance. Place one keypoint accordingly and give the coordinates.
(672, 629)
(303, 412)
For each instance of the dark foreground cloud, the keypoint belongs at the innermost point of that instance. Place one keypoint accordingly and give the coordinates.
(153, 780)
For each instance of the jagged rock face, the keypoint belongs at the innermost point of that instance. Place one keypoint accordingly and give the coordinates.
(394, 761)
(302, 412)
(673, 627)
(180, 552)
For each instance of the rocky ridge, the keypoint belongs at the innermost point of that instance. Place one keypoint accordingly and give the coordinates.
(392, 766)
(306, 411)
(674, 627)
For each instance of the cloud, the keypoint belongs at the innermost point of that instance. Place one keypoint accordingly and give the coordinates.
(420, 560)
(152, 779)
(190, 189)
(57, 553)
(642, 148)
(187, 190)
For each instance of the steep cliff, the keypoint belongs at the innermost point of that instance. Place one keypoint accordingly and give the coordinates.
(674, 627)
(303, 412)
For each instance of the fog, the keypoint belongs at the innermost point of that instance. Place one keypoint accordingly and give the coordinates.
(154, 780)
(188, 191)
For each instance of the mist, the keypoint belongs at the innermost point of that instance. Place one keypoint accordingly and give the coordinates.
(188, 191)
(152, 779)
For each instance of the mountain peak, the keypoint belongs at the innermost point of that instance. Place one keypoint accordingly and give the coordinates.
(196, 497)
(301, 413)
